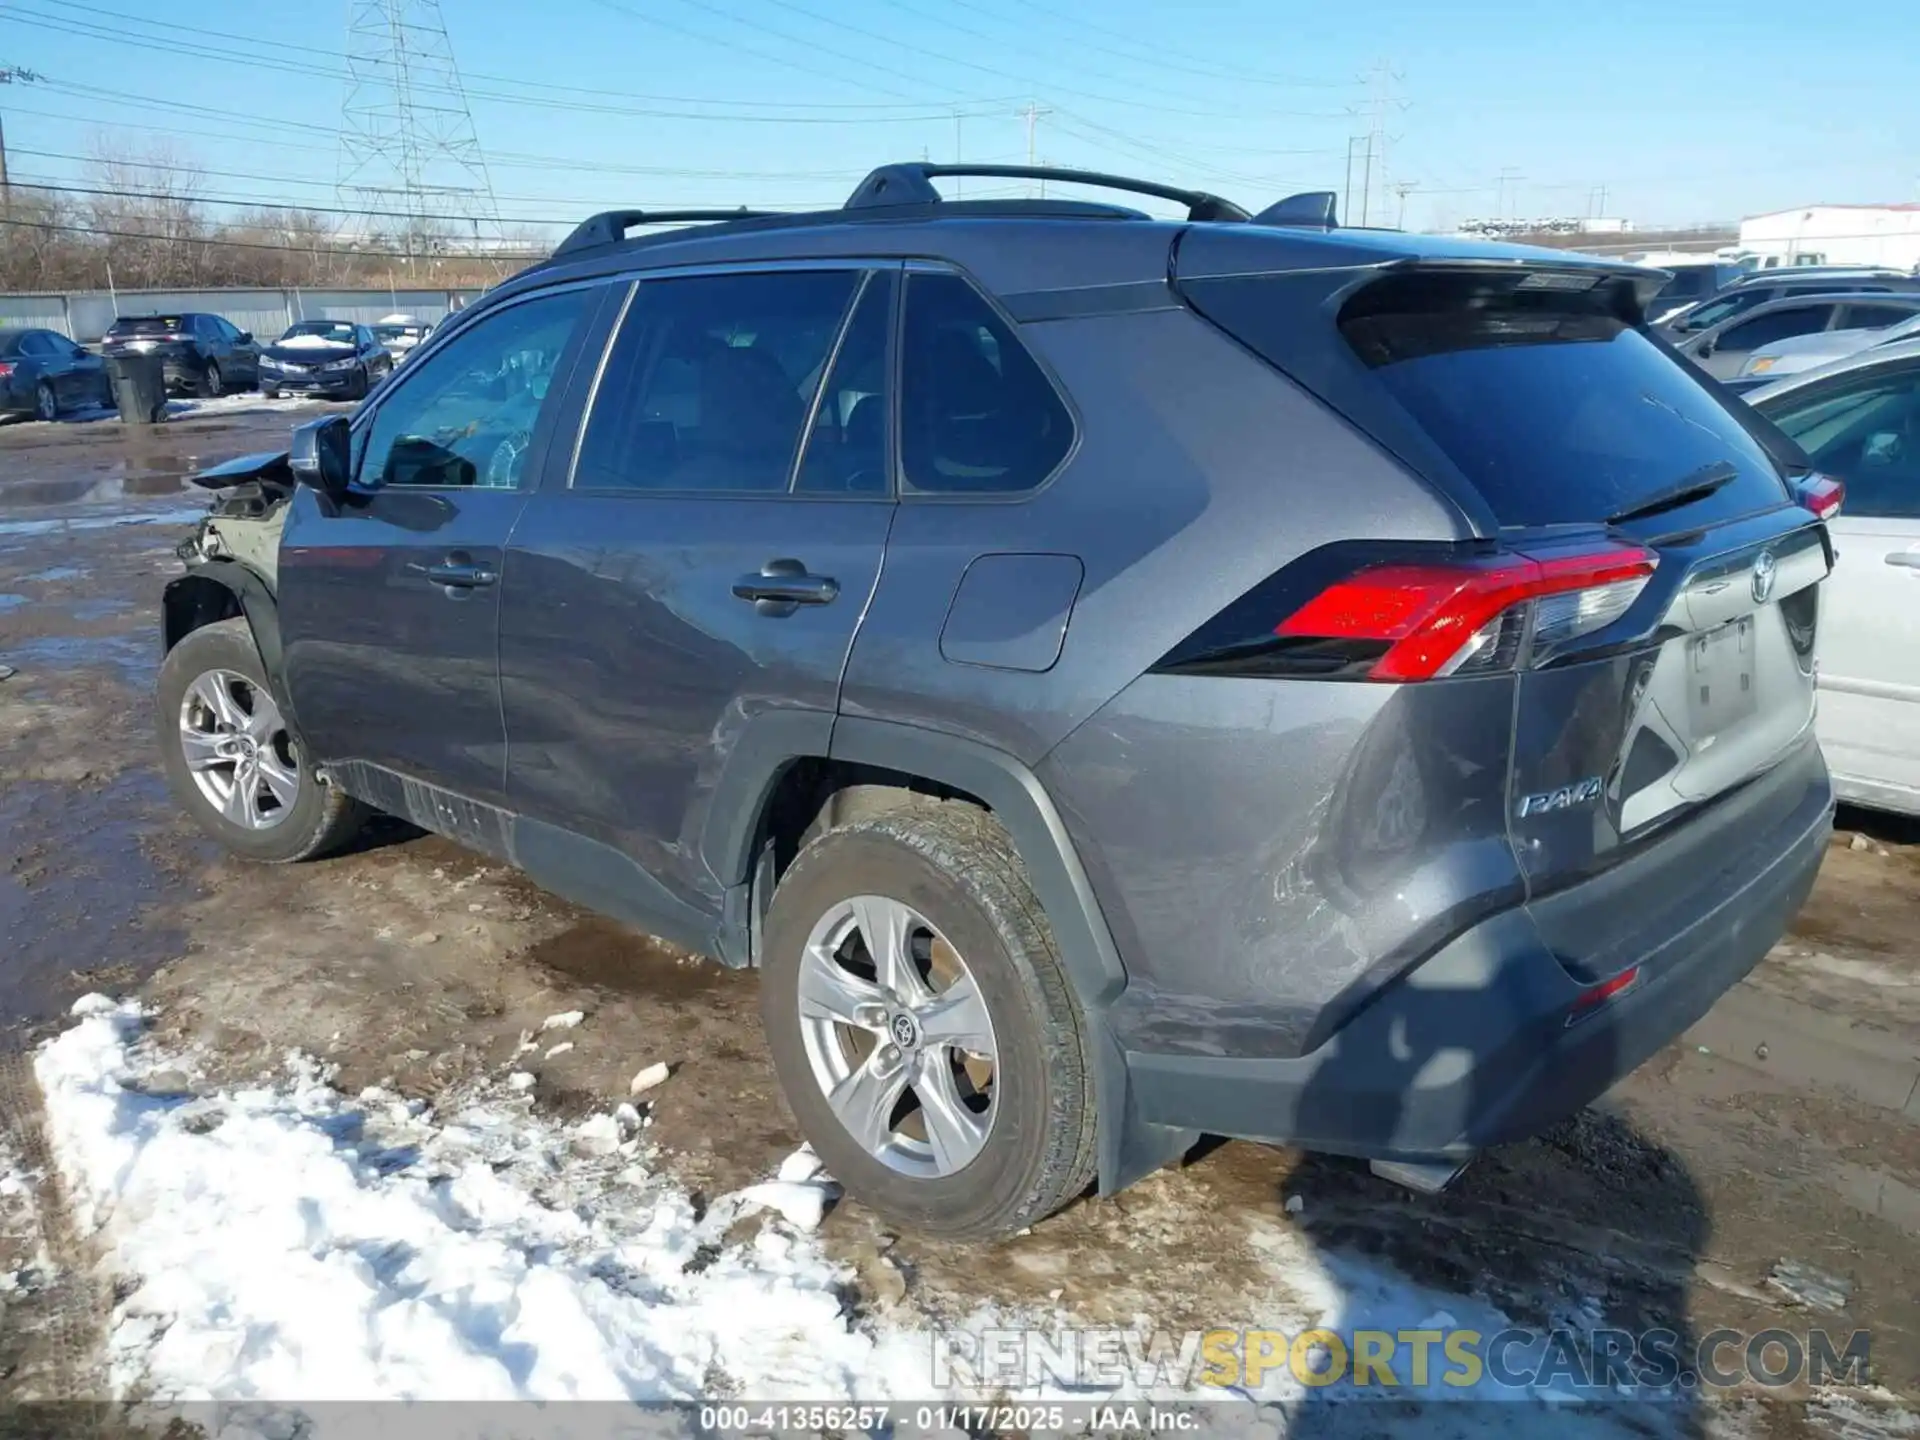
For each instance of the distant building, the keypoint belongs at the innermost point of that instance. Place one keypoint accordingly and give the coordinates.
(1835, 235)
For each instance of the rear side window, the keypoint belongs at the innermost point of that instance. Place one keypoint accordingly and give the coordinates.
(709, 381)
(977, 415)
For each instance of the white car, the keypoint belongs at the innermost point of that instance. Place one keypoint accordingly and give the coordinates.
(1858, 419)
(399, 334)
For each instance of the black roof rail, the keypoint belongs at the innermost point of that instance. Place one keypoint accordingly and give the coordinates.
(910, 183)
(1311, 209)
(611, 226)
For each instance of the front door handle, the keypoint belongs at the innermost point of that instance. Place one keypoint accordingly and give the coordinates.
(1907, 559)
(458, 572)
(784, 585)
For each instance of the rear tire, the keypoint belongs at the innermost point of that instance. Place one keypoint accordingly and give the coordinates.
(46, 402)
(952, 873)
(212, 383)
(232, 762)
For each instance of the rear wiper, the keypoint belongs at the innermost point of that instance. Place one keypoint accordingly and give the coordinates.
(1695, 485)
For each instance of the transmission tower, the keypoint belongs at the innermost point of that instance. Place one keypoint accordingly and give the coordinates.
(409, 158)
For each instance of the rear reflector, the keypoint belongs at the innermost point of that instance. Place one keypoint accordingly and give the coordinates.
(1822, 494)
(1440, 619)
(1591, 1000)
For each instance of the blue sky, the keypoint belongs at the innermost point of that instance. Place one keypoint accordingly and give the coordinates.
(1682, 112)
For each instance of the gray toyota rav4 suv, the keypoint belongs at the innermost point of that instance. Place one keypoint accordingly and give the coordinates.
(1118, 678)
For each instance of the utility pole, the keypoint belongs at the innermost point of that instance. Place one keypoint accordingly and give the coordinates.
(1032, 115)
(959, 185)
(9, 74)
(1380, 81)
(1402, 188)
(1509, 177)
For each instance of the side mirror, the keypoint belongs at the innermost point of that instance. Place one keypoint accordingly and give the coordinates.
(1704, 349)
(246, 337)
(322, 456)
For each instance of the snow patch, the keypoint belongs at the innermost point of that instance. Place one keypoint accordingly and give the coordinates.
(280, 1240)
(287, 1241)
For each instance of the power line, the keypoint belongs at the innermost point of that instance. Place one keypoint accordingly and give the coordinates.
(544, 162)
(270, 203)
(509, 80)
(521, 257)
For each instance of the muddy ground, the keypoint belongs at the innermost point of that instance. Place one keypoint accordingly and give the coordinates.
(1785, 1128)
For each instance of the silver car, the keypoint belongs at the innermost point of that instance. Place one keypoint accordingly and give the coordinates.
(1723, 349)
(1858, 419)
(1808, 352)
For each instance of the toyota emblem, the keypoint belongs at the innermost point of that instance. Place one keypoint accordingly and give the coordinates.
(1763, 568)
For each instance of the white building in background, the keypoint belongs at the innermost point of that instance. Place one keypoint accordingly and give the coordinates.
(1835, 235)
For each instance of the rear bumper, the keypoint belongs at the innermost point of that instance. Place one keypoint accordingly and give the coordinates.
(1474, 1046)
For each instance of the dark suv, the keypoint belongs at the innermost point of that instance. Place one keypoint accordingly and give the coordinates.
(1119, 678)
(204, 354)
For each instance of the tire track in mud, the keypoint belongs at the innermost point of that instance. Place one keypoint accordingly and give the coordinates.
(53, 1328)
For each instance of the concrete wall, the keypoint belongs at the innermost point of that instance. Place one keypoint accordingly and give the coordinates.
(84, 315)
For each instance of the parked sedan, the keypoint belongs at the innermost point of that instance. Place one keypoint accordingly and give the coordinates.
(336, 358)
(1808, 352)
(1751, 291)
(1723, 350)
(42, 372)
(201, 354)
(400, 334)
(1859, 419)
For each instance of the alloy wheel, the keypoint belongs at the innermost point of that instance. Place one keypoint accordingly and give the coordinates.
(898, 1036)
(46, 404)
(238, 750)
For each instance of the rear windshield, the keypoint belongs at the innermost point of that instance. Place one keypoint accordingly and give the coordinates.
(1555, 408)
(1552, 405)
(149, 325)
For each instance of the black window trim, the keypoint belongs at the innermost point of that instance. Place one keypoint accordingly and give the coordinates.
(364, 416)
(865, 269)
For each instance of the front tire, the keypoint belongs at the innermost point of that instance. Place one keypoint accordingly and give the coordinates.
(232, 761)
(940, 1067)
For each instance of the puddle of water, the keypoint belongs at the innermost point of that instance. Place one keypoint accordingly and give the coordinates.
(11, 602)
(74, 892)
(136, 657)
(601, 952)
(57, 573)
(131, 483)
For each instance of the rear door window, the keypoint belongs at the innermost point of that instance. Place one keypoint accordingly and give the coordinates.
(1749, 335)
(1874, 317)
(710, 380)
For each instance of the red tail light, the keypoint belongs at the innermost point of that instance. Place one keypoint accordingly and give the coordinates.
(1822, 494)
(1591, 1000)
(6, 369)
(1435, 619)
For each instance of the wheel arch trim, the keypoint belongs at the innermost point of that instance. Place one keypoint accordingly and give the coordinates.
(1127, 1148)
(183, 598)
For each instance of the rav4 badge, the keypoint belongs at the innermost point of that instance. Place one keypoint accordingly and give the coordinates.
(1581, 792)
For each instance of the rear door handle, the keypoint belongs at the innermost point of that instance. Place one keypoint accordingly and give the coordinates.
(1907, 559)
(784, 585)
